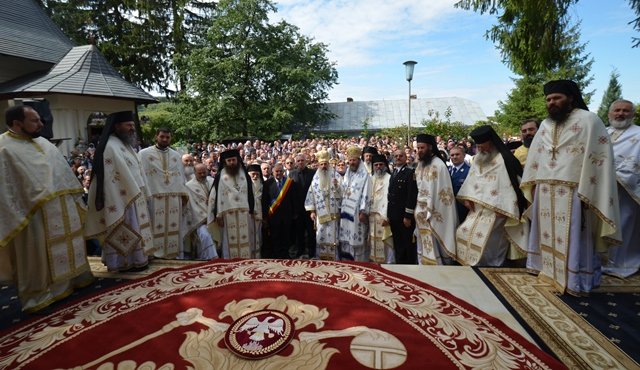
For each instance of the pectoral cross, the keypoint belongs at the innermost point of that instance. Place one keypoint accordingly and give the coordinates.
(553, 151)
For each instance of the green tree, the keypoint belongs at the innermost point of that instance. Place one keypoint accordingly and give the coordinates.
(251, 77)
(138, 38)
(611, 94)
(635, 6)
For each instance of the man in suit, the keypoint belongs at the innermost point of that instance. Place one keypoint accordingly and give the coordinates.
(458, 170)
(305, 235)
(405, 251)
(280, 210)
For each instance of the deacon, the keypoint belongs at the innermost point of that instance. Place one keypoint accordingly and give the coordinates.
(323, 202)
(257, 185)
(570, 179)
(42, 250)
(404, 248)
(624, 259)
(166, 180)
(528, 129)
(432, 204)
(354, 209)
(492, 194)
(202, 244)
(380, 240)
(281, 210)
(118, 213)
(231, 206)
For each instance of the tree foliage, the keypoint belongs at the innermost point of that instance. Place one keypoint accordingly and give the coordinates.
(138, 38)
(611, 94)
(635, 6)
(251, 77)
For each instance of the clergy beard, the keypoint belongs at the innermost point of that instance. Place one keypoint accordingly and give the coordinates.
(482, 158)
(527, 140)
(189, 171)
(232, 170)
(323, 179)
(560, 114)
(128, 139)
(255, 183)
(621, 124)
(380, 173)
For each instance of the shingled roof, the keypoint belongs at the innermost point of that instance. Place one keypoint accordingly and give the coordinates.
(27, 32)
(82, 71)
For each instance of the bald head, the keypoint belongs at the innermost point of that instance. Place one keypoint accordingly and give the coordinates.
(201, 172)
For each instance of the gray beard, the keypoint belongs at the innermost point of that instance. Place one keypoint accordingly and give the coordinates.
(380, 174)
(128, 139)
(189, 171)
(484, 158)
(621, 124)
(323, 179)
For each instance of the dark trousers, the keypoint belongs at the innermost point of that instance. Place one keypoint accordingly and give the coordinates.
(281, 238)
(305, 235)
(405, 248)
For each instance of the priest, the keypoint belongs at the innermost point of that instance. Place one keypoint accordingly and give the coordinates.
(323, 204)
(42, 250)
(570, 179)
(432, 204)
(118, 213)
(354, 209)
(258, 186)
(380, 240)
(202, 245)
(166, 181)
(491, 193)
(624, 259)
(231, 206)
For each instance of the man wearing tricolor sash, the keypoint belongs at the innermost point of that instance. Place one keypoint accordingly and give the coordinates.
(42, 249)
(570, 179)
(354, 209)
(280, 210)
(231, 207)
(166, 181)
(432, 204)
(198, 237)
(323, 202)
(624, 259)
(492, 194)
(380, 238)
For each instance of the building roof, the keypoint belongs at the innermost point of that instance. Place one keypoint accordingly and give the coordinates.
(27, 32)
(381, 114)
(82, 71)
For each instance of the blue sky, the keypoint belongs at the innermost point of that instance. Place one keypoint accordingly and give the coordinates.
(370, 39)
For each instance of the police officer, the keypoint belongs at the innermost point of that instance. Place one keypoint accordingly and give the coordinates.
(402, 176)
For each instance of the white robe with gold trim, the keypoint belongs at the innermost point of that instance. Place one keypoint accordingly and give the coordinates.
(165, 179)
(570, 165)
(197, 238)
(380, 240)
(325, 202)
(42, 248)
(356, 188)
(494, 225)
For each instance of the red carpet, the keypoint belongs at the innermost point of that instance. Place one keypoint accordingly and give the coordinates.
(345, 316)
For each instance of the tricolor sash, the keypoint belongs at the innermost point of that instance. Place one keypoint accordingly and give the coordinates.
(278, 201)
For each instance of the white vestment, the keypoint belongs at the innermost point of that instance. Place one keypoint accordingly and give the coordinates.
(231, 202)
(574, 212)
(325, 200)
(435, 213)
(380, 240)
(165, 179)
(202, 245)
(42, 249)
(483, 239)
(624, 259)
(123, 224)
(356, 187)
(257, 197)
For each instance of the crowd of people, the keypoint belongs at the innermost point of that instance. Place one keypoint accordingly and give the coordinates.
(565, 203)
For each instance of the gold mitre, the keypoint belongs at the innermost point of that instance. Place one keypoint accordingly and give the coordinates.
(322, 156)
(354, 152)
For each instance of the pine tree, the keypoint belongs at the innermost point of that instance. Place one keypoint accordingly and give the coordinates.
(611, 94)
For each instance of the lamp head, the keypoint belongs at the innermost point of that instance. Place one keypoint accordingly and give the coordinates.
(409, 68)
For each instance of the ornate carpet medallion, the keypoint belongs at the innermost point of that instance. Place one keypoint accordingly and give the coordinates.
(332, 315)
(259, 334)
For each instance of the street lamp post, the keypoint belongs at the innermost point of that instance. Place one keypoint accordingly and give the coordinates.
(409, 70)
